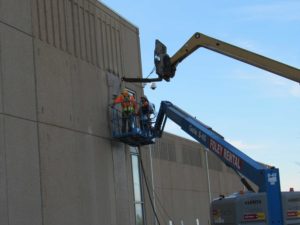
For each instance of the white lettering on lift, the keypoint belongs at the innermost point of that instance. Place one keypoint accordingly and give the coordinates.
(272, 178)
(217, 148)
(193, 130)
(198, 133)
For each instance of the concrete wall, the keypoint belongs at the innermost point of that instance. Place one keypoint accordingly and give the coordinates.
(58, 163)
(60, 64)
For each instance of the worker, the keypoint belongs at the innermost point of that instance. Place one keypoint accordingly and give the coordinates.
(145, 111)
(129, 106)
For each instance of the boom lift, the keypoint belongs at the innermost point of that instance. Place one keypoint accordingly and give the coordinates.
(265, 177)
(268, 209)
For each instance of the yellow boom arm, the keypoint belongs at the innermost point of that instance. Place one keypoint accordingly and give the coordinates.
(166, 66)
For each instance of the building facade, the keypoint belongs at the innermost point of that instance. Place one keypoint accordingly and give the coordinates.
(61, 63)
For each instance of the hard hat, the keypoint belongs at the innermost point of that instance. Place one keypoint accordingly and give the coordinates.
(144, 97)
(125, 92)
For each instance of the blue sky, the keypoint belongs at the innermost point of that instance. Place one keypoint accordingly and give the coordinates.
(254, 110)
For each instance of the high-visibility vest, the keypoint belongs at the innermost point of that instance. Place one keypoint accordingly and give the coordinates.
(127, 102)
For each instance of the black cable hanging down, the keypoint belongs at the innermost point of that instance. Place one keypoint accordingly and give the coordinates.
(147, 186)
(161, 205)
(157, 197)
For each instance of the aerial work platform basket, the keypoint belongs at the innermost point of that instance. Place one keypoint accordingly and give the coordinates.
(133, 130)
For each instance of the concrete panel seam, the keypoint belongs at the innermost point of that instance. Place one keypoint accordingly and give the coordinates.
(40, 172)
(37, 125)
(38, 33)
(59, 25)
(85, 34)
(65, 24)
(53, 23)
(114, 177)
(120, 54)
(139, 54)
(109, 138)
(46, 24)
(2, 79)
(6, 178)
(18, 117)
(15, 28)
(76, 37)
(93, 39)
